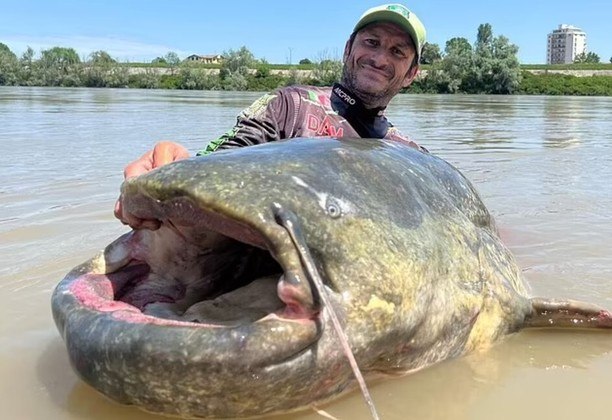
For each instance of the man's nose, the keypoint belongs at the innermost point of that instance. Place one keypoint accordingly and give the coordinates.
(380, 59)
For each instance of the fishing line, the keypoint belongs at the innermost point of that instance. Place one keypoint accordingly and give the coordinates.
(288, 220)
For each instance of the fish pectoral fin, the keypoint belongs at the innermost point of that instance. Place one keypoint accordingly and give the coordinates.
(558, 313)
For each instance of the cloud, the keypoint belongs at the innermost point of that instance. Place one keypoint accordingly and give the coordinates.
(120, 49)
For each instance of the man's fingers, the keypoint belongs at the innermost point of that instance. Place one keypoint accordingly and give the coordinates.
(134, 222)
(165, 152)
(143, 165)
(118, 209)
(162, 154)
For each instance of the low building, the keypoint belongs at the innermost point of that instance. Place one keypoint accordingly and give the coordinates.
(205, 59)
(564, 44)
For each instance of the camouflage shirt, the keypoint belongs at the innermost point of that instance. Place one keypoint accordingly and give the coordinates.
(306, 111)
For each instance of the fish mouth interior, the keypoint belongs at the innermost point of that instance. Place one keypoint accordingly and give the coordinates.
(205, 268)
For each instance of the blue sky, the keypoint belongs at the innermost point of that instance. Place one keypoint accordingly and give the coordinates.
(280, 31)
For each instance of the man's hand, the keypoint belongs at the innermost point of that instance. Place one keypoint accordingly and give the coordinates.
(164, 152)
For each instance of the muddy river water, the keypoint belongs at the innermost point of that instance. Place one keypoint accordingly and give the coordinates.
(543, 166)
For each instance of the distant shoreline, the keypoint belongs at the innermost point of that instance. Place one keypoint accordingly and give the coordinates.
(530, 80)
(307, 73)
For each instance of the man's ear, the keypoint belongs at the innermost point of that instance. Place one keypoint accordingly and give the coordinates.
(410, 75)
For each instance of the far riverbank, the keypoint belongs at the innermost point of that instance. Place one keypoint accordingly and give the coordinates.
(574, 80)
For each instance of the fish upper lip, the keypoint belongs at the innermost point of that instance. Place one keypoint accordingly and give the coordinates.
(258, 231)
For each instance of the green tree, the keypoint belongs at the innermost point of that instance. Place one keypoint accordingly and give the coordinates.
(431, 53)
(238, 61)
(159, 60)
(504, 72)
(192, 76)
(60, 56)
(172, 59)
(327, 70)
(458, 46)
(592, 58)
(482, 61)
(9, 66)
(5, 51)
(293, 78)
(583, 57)
(263, 79)
(448, 74)
(59, 66)
(490, 66)
(305, 61)
(263, 69)
(102, 71)
(484, 38)
(118, 77)
(147, 79)
(496, 68)
(27, 68)
(235, 69)
(101, 58)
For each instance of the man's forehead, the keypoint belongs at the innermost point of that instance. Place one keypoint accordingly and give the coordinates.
(388, 29)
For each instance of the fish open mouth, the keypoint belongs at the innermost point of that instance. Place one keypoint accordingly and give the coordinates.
(194, 307)
(202, 267)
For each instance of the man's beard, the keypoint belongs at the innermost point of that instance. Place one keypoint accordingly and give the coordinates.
(369, 99)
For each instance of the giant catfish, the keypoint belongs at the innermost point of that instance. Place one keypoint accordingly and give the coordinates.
(215, 314)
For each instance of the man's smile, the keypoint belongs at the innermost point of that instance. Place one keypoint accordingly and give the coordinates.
(374, 71)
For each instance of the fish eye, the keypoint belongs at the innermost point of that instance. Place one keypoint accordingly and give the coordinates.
(333, 209)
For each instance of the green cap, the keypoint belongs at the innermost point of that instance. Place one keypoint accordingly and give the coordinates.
(401, 16)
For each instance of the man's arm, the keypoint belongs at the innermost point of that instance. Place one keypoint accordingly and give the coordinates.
(261, 122)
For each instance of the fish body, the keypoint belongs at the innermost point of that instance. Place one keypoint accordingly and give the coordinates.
(215, 315)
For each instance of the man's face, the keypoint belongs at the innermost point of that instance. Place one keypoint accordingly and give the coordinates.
(378, 64)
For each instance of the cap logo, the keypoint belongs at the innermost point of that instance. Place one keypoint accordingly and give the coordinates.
(398, 8)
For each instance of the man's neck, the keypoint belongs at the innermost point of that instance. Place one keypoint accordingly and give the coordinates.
(367, 100)
(368, 123)
(355, 101)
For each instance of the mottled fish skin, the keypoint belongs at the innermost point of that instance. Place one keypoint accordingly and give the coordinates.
(410, 254)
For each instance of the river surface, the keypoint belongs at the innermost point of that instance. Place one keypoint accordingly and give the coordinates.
(543, 166)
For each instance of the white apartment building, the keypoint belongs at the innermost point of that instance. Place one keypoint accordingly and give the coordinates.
(564, 44)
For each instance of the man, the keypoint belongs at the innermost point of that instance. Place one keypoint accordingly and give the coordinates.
(380, 58)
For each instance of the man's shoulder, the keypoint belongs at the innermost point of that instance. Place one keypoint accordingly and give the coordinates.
(305, 88)
(315, 95)
(306, 91)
